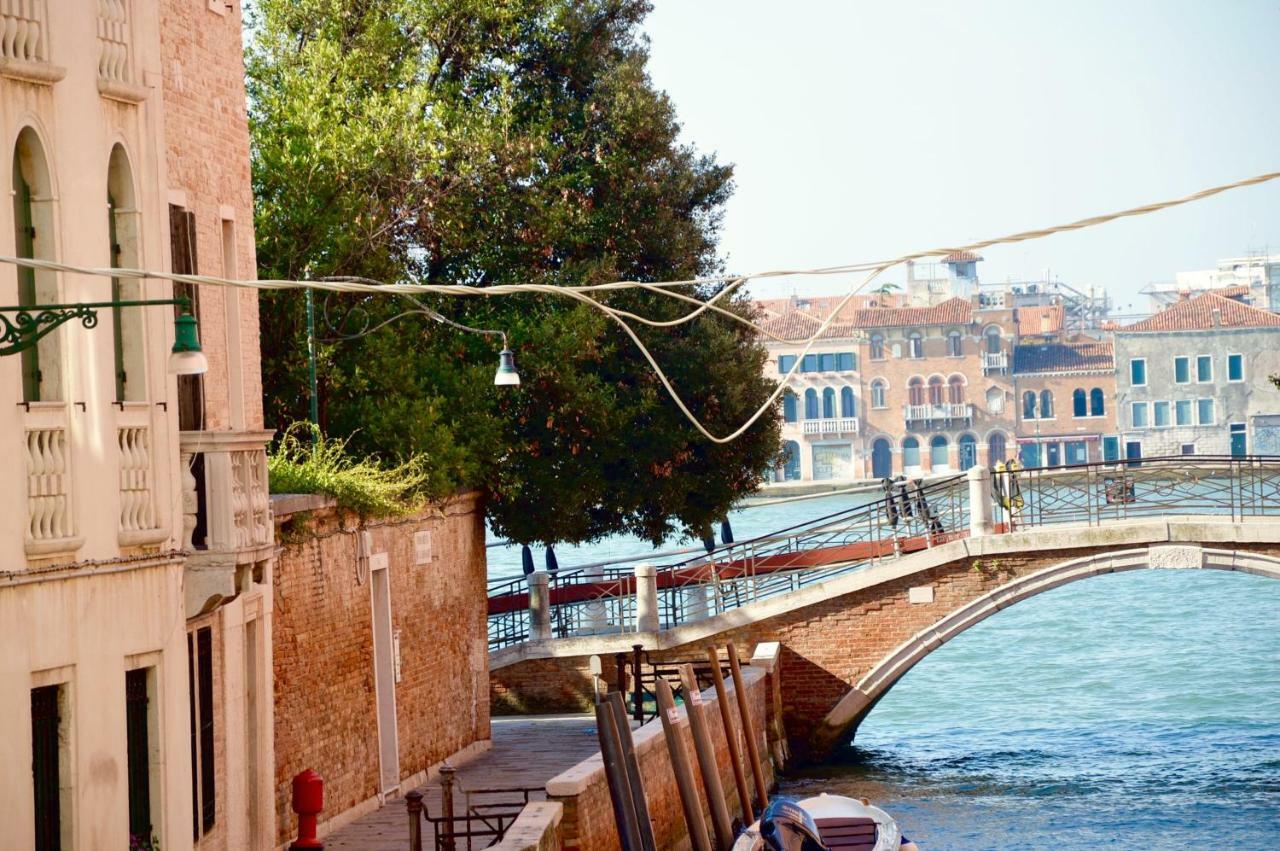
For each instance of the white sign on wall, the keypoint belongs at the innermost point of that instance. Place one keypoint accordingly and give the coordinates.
(422, 548)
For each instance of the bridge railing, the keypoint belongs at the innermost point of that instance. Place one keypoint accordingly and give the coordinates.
(1233, 487)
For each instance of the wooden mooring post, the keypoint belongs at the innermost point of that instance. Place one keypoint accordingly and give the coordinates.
(689, 803)
(731, 734)
(706, 753)
(744, 709)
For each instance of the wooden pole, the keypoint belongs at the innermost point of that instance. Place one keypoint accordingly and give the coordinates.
(624, 814)
(744, 709)
(689, 801)
(706, 753)
(644, 824)
(731, 735)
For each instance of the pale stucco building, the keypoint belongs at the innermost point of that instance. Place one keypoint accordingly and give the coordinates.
(135, 536)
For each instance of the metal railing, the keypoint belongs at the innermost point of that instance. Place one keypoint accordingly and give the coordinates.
(1234, 487)
(637, 678)
(486, 816)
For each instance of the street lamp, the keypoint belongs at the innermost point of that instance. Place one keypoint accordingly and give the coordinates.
(506, 376)
(23, 326)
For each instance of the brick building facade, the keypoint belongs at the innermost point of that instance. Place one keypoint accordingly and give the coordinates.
(1065, 395)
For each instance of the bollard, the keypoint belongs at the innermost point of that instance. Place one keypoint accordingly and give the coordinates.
(445, 841)
(413, 803)
(308, 801)
(646, 598)
(979, 502)
(539, 606)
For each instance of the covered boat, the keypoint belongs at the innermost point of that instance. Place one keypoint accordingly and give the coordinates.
(820, 823)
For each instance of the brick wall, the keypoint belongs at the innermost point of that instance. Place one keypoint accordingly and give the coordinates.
(1064, 425)
(323, 647)
(206, 136)
(583, 790)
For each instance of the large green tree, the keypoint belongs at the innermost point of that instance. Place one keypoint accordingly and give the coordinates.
(487, 142)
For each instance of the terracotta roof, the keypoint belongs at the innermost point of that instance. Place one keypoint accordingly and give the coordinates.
(1092, 356)
(799, 325)
(821, 306)
(1196, 314)
(1234, 292)
(953, 311)
(1046, 319)
(961, 257)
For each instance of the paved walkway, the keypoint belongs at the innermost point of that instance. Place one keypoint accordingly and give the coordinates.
(527, 751)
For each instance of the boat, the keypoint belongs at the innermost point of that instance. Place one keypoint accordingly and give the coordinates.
(820, 823)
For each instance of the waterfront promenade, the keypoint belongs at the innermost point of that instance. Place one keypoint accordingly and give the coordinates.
(527, 751)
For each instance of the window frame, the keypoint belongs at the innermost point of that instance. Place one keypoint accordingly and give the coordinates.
(1168, 413)
(785, 363)
(1213, 408)
(1203, 359)
(875, 346)
(1132, 363)
(880, 388)
(1190, 409)
(915, 345)
(955, 344)
(1134, 407)
(1239, 358)
(1185, 359)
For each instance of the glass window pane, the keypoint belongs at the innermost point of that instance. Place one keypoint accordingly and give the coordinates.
(1160, 413)
(827, 363)
(1138, 414)
(1182, 370)
(1205, 411)
(1111, 448)
(1138, 372)
(810, 364)
(846, 362)
(1204, 368)
(1235, 367)
(785, 362)
(1182, 412)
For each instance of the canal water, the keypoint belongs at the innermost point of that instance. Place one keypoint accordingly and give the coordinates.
(1139, 710)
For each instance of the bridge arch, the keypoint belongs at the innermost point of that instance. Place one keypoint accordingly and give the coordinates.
(847, 714)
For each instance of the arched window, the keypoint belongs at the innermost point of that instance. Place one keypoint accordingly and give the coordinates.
(33, 232)
(879, 390)
(911, 452)
(828, 403)
(1046, 404)
(1079, 403)
(967, 450)
(847, 407)
(127, 327)
(935, 390)
(1029, 405)
(811, 404)
(790, 404)
(915, 345)
(915, 391)
(1097, 407)
(993, 340)
(877, 347)
(955, 389)
(938, 451)
(955, 344)
(995, 400)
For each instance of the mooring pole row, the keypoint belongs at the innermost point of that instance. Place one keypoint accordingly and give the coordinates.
(706, 753)
(731, 735)
(697, 827)
(644, 824)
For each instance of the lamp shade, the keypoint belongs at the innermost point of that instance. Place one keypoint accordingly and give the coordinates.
(186, 357)
(506, 374)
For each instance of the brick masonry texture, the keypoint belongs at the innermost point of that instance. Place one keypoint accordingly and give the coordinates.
(323, 648)
(207, 155)
(588, 817)
(826, 647)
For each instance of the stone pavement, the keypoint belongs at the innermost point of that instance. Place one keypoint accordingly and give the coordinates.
(527, 751)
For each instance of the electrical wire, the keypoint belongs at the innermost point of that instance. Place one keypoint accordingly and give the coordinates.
(579, 293)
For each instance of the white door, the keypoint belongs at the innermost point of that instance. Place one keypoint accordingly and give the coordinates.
(384, 680)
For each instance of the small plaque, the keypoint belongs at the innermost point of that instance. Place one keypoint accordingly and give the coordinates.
(673, 715)
(695, 697)
(920, 594)
(422, 548)
(379, 561)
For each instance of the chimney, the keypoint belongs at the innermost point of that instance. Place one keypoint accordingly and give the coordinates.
(1217, 317)
(1184, 295)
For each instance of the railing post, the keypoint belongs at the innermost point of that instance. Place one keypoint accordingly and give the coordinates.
(413, 803)
(646, 598)
(308, 801)
(979, 502)
(446, 842)
(539, 606)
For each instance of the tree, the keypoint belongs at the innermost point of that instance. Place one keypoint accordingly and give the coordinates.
(483, 143)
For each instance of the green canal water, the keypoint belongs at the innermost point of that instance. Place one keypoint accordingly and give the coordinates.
(1139, 710)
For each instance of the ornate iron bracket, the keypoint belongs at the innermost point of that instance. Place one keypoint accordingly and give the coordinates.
(22, 327)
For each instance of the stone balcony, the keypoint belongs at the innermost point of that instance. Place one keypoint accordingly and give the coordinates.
(227, 525)
(830, 427)
(945, 414)
(995, 362)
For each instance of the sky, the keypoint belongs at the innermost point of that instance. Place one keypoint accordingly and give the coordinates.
(863, 130)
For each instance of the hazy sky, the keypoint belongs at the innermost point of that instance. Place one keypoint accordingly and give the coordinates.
(862, 130)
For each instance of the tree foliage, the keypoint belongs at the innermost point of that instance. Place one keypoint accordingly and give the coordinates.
(487, 142)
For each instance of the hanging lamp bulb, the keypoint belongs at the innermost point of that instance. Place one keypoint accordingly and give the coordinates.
(186, 358)
(506, 376)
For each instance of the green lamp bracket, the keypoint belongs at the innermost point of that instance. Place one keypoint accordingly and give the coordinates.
(22, 327)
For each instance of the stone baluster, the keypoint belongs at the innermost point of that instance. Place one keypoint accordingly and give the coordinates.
(190, 502)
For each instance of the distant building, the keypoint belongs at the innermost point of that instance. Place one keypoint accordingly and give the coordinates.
(1066, 402)
(1193, 379)
(1253, 279)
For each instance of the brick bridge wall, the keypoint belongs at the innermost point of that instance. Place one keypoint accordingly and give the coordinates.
(830, 644)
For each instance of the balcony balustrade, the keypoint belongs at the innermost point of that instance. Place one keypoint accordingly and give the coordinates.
(995, 362)
(830, 426)
(945, 414)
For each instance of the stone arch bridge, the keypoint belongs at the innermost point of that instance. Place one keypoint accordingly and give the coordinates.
(849, 636)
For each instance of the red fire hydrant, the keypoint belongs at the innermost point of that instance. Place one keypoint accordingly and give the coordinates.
(308, 801)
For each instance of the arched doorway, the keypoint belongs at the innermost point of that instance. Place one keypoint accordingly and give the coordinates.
(881, 459)
(996, 448)
(911, 452)
(938, 452)
(968, 451)
(791, 461)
